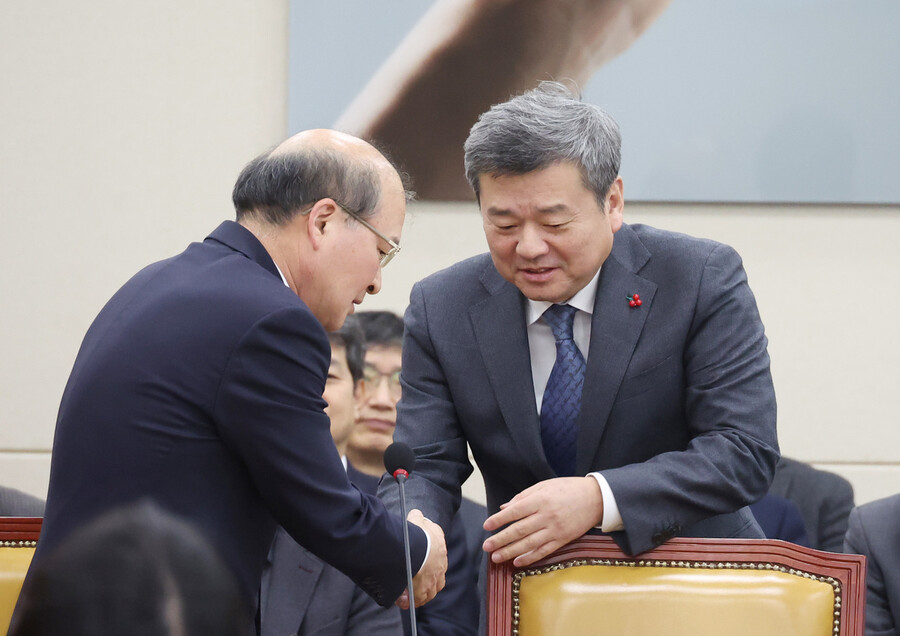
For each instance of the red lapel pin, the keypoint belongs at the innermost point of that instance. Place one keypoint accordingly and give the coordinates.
(634, 300)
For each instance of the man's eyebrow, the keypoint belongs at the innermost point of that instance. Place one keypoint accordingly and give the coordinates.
(550, 209)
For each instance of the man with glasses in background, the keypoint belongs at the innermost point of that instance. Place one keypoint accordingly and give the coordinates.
(454, 611)
(300, 594)
(199, 385)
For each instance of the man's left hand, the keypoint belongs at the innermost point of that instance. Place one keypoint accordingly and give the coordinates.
(542, 518)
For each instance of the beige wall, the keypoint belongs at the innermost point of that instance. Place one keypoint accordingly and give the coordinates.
(125, 125)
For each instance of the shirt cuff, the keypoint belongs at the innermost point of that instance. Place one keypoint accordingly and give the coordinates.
(612, 520)
(427, 550)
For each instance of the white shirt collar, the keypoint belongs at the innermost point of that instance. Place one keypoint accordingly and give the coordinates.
(583, 300)
(283, 279)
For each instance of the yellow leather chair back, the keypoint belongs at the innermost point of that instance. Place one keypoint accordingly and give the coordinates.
(677, 601)
(14, 562)
(685, 587)
(18, 538)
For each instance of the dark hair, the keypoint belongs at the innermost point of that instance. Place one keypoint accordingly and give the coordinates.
(381, 328)
(546, 125)
(137, 570)
(276, 186)
(350, 337)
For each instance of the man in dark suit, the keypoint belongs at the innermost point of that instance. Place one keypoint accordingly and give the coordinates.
(824, 499)
(622, 385)
(199, 385)
(873, 532)
(300, 594)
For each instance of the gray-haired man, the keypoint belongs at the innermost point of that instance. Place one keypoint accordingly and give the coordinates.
(640, 403)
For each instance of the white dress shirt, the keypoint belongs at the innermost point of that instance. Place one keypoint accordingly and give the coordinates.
(542, 347)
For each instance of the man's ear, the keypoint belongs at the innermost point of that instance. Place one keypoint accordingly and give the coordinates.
(319, 221)
(615, 204)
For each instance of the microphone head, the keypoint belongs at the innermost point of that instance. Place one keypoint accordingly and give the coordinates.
(399, 456)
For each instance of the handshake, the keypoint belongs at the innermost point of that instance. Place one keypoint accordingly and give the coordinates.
(431, 576)
(399, 460)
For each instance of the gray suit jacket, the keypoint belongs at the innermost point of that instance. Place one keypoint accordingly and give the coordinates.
(874, 530)
(824, 499)
(678, 410)
(301, 594)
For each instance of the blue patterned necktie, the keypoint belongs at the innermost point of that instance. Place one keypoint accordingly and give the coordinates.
(562, 397)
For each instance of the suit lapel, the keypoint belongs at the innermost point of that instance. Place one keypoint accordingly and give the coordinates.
(499, 325)
(615, 329)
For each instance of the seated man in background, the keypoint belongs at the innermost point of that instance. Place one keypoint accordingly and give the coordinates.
(780, 519)
(825, 500)
(454, 610)
(872, 531)
(135, 570)
(300, 594)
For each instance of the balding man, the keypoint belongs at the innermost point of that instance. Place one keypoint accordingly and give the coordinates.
(199, 385)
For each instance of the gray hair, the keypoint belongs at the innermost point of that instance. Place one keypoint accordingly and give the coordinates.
(275, 187)
(546, 125)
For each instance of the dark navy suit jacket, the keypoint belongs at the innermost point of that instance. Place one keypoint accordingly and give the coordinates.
(678, 409)
(199, 385)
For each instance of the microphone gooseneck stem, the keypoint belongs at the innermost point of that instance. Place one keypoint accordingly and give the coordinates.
(401, 479)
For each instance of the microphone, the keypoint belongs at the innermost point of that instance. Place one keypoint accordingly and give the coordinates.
(399, 460)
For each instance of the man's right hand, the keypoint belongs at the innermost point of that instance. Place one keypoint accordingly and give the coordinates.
(430, 578)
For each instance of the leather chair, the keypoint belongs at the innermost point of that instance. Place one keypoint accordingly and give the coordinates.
(685, 587)
(18, 538)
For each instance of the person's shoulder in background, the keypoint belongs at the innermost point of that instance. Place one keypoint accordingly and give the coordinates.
(824, 499)
(780, 519)
(15, 503)
(872, 531)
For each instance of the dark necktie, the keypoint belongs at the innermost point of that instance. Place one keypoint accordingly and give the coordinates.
(562, 397)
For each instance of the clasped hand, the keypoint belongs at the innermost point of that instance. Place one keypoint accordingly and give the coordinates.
(431, 576)
(542, 518)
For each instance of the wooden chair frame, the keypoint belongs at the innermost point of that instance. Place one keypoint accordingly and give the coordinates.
(20, 531)
(846, 572)
(16, 533)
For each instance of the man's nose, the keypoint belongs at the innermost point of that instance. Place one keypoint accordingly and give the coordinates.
(375, 287)
(531, 243)
(382, 394)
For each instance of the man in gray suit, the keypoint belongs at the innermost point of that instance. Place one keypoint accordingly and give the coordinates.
(640, 403)
(873, 531)
(301, 594)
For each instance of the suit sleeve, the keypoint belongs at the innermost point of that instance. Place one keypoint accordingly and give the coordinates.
(270, 412)
(879, 621)
(729, 412)
(428, 422)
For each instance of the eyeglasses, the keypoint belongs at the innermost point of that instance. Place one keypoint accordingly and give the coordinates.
(385, 256)
(373, 378)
